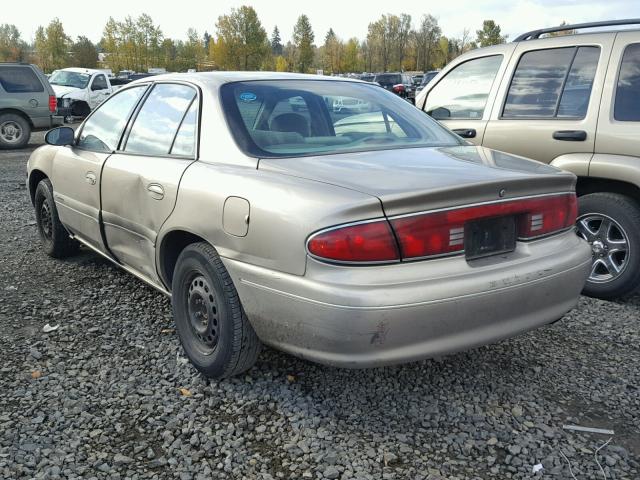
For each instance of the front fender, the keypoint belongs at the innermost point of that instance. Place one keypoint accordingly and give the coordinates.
(40, 161)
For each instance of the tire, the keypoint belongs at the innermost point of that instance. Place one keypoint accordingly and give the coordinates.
(213, 328)
(15, 131)
(610, 222)
(54, 237)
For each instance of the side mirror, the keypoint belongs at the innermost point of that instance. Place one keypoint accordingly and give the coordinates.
(60, 136)
(440, 113)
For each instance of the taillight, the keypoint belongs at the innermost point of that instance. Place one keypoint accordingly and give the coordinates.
(399, 88)
(442, 232)
(362, 242)
(53, 103)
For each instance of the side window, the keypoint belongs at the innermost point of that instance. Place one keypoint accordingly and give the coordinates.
(463, 92)
(156, 125)
(185, 141)
(19, 80)
(99, 83)
(102, 130)
(552, 83)
(627, 106)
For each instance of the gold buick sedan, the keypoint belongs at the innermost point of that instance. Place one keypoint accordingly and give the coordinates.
(350, 237)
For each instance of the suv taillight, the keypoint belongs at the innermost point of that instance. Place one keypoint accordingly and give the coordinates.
(53, 103)
(399, 88)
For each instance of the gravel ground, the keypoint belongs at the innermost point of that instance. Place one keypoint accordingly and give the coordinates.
(109, 394)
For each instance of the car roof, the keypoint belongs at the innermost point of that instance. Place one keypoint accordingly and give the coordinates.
(79, 70)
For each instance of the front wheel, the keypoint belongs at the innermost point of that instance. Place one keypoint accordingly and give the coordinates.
(213, 328)
(54, 237)
(610, 222)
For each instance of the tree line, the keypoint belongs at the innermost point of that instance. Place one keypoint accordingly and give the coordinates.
(240, 42)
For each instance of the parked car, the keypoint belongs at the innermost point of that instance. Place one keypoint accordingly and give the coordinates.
(352, 243)
(79, 90)
(398, 83)
(426, 78)
(572, 101)
(27, 104)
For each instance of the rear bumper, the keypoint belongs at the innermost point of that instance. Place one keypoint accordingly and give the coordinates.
(364, 317)
(46, 123)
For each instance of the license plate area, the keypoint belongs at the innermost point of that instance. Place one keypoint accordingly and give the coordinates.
(490, 236)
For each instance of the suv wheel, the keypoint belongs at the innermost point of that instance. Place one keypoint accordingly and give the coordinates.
(14, 131)
(611, 224)
(213, 328)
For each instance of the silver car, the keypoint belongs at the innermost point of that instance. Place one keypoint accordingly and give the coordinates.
(363, 241)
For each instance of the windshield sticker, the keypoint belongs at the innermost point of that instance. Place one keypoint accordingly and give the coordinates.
(248, 97)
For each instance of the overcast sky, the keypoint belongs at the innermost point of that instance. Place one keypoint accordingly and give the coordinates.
(348, 18)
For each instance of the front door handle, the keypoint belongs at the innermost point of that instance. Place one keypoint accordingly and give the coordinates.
(570, 135)
(90, 178)
(156, 191)
(465, 132)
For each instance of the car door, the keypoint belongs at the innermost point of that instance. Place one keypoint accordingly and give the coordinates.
(461, 99)
(140, 181)
(98, 90)
(548, 106)
(77, 168)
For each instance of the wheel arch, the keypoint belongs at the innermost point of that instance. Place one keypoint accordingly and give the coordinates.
(171, 245)
(35, 177)
(587, 185)
(18, 112)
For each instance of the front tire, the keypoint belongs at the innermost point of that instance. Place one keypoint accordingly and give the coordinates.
(610, 222)
(54, 237)
(213, 328)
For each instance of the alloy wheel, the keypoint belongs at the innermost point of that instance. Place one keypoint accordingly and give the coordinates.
(609, 246)
(11, 132)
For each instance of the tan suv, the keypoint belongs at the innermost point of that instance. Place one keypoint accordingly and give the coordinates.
(573, 101)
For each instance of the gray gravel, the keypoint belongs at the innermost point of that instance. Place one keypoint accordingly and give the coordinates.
(109, 394)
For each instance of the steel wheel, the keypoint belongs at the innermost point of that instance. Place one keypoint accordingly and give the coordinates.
(202, 309)
(46, 221)
(609, 246)
(11, 132)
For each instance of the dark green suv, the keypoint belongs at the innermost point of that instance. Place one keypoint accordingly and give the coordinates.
(27, 103)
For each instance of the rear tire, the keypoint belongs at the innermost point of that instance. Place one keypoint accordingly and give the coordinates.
(15, 131)
(55, 238)
(213, 328)
(610, 222)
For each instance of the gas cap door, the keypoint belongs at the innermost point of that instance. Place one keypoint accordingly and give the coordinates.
(235, 216)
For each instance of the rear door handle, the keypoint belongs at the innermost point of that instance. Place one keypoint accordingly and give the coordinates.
(156, 191)
(465, 132)
(570, 135)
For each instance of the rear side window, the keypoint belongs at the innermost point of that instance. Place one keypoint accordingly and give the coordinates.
(102, 130)
(627, 106)
(552, 83)
(185, 141)
(157, 123)
(463, 92)
(20, 80)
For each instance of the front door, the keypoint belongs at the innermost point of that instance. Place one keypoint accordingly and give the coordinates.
(77, 169)
(98, 91)
(140, 182)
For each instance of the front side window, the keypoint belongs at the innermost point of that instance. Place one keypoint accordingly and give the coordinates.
(102, 130)
(99, 83)
(627, 106)
(156, 125)
(553, 83)
(19, 80)
(66, 78)
(288, 118)
(463, 92)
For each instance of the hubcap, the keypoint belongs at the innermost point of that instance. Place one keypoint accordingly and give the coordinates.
(10, 131)
(46, 222)
(203, 313)
(609, 246)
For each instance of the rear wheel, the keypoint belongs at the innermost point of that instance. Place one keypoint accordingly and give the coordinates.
(55, 238)
(610, 222)
(14, 131)
(213, 328)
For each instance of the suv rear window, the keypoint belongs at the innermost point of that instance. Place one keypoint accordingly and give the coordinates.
(19, 79)
(552, 83)
(289, 118)
(388, 79)
(627, 106)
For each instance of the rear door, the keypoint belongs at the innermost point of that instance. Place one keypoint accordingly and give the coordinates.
(547, 105)
(461, 99)
(140, 181)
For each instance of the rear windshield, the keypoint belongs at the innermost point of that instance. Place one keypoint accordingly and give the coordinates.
(389, 79)
(288, 118)
(19, 79)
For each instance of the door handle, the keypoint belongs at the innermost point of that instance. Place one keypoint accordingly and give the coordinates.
(465, 132)
(570, 135)
(90, 178)
(156, 191)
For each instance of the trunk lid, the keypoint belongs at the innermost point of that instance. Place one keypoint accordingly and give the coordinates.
(418, 179)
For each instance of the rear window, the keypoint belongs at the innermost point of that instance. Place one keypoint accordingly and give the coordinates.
(389, 79)
(289, 118)
(20, 80)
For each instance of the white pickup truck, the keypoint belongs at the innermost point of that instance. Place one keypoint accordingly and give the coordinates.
(79, 90)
